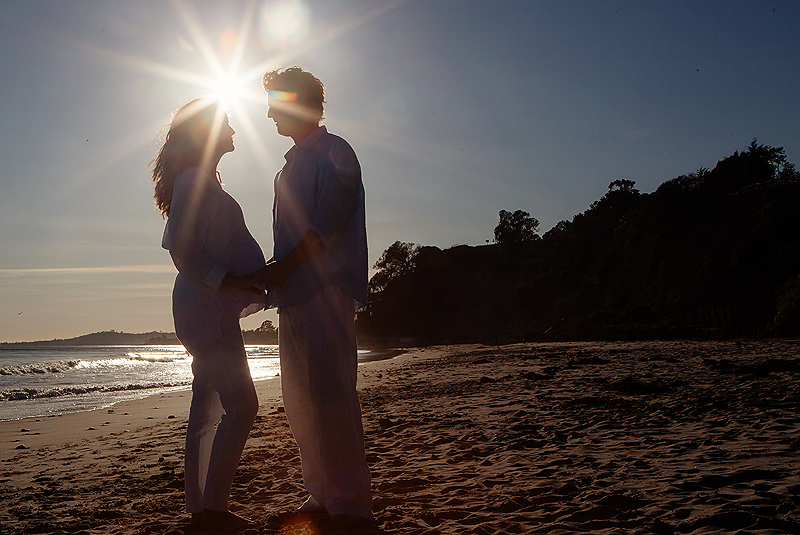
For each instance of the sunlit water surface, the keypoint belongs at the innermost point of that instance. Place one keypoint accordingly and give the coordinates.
(47, 381)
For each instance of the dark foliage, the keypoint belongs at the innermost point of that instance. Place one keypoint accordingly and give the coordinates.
(711, 254)
(514, 228)
(265, 334)
(396, 261)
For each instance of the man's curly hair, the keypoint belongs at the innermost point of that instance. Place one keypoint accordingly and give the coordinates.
(309, 89)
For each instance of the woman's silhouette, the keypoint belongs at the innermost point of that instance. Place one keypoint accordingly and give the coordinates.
(213, 251)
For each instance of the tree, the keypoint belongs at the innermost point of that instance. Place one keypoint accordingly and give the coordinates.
(395, 261)
(516, 228)
(266, 327)
(620, 196)
(266, 334)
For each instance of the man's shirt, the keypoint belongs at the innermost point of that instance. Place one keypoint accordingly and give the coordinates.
(320, 189)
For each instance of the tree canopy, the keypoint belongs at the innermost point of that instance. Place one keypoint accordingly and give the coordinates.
(712, 253)
(516, 228)
(394, 262)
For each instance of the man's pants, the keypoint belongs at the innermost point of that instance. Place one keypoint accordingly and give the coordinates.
(318, 378)
(222, 387)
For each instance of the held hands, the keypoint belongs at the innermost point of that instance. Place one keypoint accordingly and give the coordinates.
(273, 274)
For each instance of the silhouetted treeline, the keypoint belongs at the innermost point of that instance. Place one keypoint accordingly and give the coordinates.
(711, 254)
(267, 333)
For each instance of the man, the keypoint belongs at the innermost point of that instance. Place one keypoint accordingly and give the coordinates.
(317, 278)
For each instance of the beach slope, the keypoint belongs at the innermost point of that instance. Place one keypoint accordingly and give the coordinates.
(634, 437)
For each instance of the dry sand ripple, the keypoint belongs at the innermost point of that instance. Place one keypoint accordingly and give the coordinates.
(639, 437)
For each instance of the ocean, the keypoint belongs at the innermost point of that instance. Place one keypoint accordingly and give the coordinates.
(39, 382)
(36, 382)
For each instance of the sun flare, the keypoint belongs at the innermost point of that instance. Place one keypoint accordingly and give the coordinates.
(279, 25)
(228, 89)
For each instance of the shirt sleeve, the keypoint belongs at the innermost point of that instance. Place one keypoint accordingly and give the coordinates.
(339, 192)
(189, 216)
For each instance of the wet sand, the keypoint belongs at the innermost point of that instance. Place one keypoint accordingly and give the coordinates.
(634, 437)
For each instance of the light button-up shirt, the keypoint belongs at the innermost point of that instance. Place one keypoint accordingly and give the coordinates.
(320, 189)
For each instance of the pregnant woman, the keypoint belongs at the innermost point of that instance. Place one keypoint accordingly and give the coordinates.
(214, 253)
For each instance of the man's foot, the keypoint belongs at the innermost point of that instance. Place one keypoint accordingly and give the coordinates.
(311, 505)
(351, 524)
(192, 524)
(223, 522)
(296, 518)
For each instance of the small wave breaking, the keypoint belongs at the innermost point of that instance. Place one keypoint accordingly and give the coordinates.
(150, 358)
(18, 394)
(47, 367)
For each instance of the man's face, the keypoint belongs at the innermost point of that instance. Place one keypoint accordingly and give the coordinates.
(291, 117)
(285, 122)
(285, 111)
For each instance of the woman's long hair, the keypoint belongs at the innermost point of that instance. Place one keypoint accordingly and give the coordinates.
(190, 142)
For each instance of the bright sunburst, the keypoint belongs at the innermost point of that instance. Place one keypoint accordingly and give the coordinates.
(229, 90)
(282, 25)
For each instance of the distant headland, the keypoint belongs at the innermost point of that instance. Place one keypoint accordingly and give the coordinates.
(266, 334)
(103, 338)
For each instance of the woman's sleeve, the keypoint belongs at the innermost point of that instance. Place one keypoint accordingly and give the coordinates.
(189, 216)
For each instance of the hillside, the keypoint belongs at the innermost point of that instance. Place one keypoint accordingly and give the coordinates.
(104, 338)
(715, 253)
(265, 334)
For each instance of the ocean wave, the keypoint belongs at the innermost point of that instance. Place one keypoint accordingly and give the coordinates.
(40, 368)
(152, 358)
(262, 353)
(128, 360)
(18, 394)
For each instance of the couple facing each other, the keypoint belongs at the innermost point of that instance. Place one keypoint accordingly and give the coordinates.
(316, 277)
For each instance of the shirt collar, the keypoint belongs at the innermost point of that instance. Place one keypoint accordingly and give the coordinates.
(309, 142)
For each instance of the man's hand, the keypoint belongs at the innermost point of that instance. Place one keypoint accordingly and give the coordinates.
(276, 273)
(273, 274)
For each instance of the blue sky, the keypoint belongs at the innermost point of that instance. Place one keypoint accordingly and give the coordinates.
(457, 110)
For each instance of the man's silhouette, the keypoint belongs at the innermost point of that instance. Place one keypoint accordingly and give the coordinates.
(317, 278)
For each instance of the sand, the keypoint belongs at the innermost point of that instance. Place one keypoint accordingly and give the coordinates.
(635, 437)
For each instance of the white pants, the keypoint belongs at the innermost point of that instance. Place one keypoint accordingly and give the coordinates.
(318, 378)
(222, 387)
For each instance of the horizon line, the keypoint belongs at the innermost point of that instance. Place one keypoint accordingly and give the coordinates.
(144, 268)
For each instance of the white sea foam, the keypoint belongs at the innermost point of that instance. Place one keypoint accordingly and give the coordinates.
(40, 368)
(34, 393)
(150, 358)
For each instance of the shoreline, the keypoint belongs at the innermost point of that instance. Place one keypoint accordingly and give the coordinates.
(39, 408)
(126, 416)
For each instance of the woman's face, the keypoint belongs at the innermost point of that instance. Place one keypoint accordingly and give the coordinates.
(225, 140)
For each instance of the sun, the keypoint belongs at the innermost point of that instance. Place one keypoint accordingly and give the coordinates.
(283, 24)
(228, 89)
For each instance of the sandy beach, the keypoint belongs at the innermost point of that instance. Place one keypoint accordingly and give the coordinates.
(584, 437)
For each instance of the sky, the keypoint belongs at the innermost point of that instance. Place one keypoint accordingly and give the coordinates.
(457, 109)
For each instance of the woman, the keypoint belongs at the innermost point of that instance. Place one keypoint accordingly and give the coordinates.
(214, 252)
